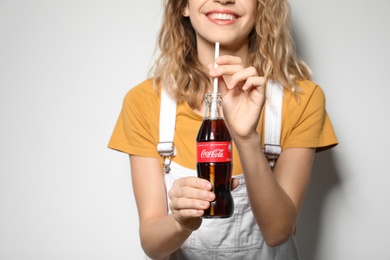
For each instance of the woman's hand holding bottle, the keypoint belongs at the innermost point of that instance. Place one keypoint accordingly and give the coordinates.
(189, 197)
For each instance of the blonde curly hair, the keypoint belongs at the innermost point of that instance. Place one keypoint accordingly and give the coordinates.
(271, 52)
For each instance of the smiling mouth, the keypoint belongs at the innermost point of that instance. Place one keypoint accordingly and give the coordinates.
(222, 17)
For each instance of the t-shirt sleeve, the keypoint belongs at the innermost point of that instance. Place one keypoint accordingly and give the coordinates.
(313, 128)
(135, 132)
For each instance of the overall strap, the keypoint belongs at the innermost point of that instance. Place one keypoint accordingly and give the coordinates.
(165, 147)
(273, 122)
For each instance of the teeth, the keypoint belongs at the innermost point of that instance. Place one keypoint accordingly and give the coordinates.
(219, 16)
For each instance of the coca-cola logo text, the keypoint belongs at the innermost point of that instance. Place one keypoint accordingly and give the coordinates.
(217, 153)
(214, 151)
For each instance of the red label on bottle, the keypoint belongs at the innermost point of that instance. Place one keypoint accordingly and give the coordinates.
(214, 152)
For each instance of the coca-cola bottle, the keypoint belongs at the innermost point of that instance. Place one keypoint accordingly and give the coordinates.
(214, 157)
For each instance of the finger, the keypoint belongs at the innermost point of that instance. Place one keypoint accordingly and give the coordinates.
(253, 82)
(194, 182)
(180, 204)
(234, 183)
(228, 60)
(242, 76)
(226, 65)
(190, 193)
(192, 188)
(225, 70)
(181, 215)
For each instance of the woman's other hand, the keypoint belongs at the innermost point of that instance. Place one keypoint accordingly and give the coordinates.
(243, 93)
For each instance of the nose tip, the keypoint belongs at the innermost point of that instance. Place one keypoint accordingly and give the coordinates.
(224, 2)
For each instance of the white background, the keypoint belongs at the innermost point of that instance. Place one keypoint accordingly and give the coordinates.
(64, 69)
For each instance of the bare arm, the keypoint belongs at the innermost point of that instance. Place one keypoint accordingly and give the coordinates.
(160, 233)
(275, 197)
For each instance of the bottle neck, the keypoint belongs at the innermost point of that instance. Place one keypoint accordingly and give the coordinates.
(213, 106)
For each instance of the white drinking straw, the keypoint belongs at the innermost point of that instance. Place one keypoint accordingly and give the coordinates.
(215, 66)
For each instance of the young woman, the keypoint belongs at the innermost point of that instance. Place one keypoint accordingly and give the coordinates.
(256, 48)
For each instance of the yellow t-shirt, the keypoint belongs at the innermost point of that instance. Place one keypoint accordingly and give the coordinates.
(304, 124)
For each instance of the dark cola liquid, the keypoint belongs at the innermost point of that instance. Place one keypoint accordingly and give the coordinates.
(223, 205)
(218, 173)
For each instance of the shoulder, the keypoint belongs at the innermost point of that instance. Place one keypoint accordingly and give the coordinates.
(306, 107)
(311, 91)
(143, 91)
(143, 96)
(136, 131)
(309, 94)
(305, 120)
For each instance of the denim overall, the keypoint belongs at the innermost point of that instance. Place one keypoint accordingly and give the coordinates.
(237, 237)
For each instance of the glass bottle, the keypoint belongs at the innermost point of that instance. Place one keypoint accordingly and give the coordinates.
(214, 157)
